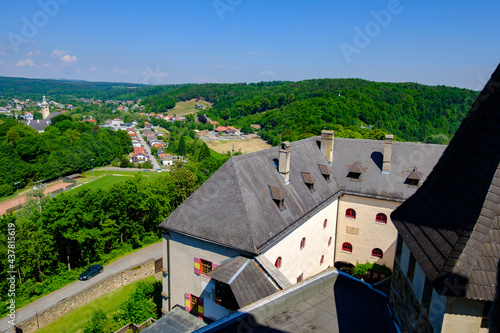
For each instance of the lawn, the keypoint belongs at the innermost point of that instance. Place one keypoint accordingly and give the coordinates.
(75, 321)
(187, 107)
(114, 177)
(246, 146)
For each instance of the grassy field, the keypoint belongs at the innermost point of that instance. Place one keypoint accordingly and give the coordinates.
(246, 146)
(113, 177)
(75, 321)
(187, 107)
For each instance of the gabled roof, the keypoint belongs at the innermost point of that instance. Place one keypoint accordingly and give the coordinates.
(245, 278)
(234, 207)
(451, 224)
(38, 124)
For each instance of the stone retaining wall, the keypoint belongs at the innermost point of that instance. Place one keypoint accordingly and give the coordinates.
(120, 279)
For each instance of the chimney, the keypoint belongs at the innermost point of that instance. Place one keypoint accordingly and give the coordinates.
(327, 144)
(386, 167)
(284, 161)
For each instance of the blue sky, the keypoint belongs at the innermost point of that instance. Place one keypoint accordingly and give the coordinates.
(163, 42)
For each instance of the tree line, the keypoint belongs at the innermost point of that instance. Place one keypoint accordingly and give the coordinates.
(66, 147)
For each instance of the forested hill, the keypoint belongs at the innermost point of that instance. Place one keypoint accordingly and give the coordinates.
(295, 110)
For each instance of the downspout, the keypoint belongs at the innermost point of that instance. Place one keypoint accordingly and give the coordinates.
(336, 229)
(168, 270)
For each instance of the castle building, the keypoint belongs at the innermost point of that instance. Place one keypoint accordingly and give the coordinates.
(267, 220)
(448, 247)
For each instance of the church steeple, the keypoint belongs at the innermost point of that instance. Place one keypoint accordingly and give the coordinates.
(45, 108)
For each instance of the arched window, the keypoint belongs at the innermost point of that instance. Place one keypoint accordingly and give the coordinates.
(347, 247)
(278, 263)
(381, 218)
(302, 243)
(376, 252)
(322, 260)
(325, 223)
(329, 241)
(350, 213)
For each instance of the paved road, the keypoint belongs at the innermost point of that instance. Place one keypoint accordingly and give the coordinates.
(148, 151)
(152, 251)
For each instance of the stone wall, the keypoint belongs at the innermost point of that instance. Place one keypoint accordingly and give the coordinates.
(120, 279)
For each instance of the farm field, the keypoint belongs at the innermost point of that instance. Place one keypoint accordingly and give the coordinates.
(246, 146)
(187, 107)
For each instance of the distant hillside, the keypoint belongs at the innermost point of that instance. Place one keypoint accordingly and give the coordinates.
(13, 87)
(295, 110)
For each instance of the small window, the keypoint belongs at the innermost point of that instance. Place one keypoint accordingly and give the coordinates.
(325, 223)
(278, 263)
(278, 197)
(381, 218)
(350, 213)
(325, 172)
(322, 260)
(303, 243)
(308, 180)
(329, 241)
(347, 247)
(355, 172)
(377, 253)
(206, 266)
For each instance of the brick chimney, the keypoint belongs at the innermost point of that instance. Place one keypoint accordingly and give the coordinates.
(386, 166)
(284, 161)
(327, 144)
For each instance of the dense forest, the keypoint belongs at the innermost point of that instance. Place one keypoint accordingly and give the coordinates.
(354, 108)
(67, 147)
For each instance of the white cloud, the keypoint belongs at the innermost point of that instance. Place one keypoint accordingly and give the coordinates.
(267, 73)
(120, 71)
(68, 59)
(93, 69)
(45, 64)
(27, 62)
(58, 53)
(78, 70)
(34, 53)
(3, 53)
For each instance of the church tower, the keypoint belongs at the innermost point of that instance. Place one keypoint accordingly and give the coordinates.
(45, 108)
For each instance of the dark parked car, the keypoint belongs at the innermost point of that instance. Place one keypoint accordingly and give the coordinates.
(90, 272)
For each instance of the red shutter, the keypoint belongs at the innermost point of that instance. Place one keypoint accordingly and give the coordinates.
(200, 308)
(187, 302)
(197, 266)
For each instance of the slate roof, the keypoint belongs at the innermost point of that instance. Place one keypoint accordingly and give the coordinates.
(234, 207)
(451, 224)
(38, 124)
(176, 321)
(246, 280)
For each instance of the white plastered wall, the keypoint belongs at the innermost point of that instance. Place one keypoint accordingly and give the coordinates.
(294, 261)
(363, 233)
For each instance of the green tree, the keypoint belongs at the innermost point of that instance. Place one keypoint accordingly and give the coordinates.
(182, 149)
(204, 152)
(99, 323)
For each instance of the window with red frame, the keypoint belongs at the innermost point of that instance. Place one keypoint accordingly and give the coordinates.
(322, 260)
(329, 241)
(381, 218)
(303, 243)
(325, 223)
(377, 253)
(278, 263)
(350, 213)
(347, 247)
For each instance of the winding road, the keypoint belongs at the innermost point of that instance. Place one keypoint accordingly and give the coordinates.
(41, 304)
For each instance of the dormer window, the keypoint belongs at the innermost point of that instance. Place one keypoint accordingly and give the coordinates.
(355, 172)
(278, 197)
(414, 178)
(308, 180)
(325, 172)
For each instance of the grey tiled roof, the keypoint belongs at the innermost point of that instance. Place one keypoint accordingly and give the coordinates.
(451, 224)
(234, 207)
(38, 124)
(246, 280)
(176, 321)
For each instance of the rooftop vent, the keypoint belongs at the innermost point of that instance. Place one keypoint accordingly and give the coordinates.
(308, 180)
(414, 178)
(325, 172)
(355, 172)
(278, 197)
